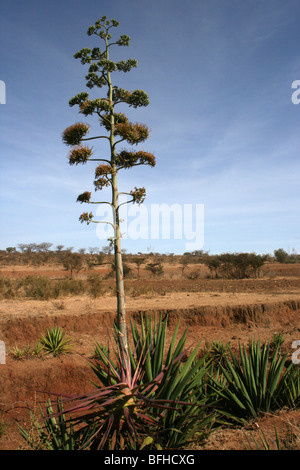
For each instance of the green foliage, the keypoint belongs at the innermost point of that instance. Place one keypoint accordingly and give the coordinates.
(56, 432)
(99, 350)
(55, 341)
(151, 398)
(266, 443)
(27, 351)
(2, 425)
(155, 268)
(182, 381)
(239, 265)
(73, 262)
(281, 255)
(213, 263)
(95, 285)
(36, 287)
(235, 265)
(218, 353)
(18, 353)
(276, 342)
(39, 288)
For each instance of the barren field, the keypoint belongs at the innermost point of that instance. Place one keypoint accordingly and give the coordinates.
(212, 309)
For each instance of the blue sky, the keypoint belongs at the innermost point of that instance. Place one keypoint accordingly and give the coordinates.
(224, 129)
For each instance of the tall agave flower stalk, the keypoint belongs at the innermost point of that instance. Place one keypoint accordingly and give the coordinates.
(118, 129)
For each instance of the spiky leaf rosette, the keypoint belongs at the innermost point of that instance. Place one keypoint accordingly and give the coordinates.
(80, 155)
(72, 135)
(150, 396)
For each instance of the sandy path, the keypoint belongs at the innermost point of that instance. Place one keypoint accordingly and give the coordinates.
(174, 300)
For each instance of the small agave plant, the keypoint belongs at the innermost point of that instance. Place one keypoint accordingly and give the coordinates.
(55, 341)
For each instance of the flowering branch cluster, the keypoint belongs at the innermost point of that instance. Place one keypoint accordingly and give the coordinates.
(100, 66)
(73, 135)
(102, 176)
(86, 217)
(135, 99)
(127, 159)
(138, 195)
(84, 197)
(80, 154)
(132, 133)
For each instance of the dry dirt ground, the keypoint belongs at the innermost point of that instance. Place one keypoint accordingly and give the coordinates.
(212, 310)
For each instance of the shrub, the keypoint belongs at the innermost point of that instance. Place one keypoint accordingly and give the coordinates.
(55, 342)
(148, 398)
(155, 268)
(218, 352)
(40, 288)
(57, 433)
(37, 287)
(18, 353)
(95, 285)
(258, 383)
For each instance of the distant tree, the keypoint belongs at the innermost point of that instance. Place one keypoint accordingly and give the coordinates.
(240, 265)
(93, 249)
(119, 129)
(73, 262)
(107, 250)
(184, 263)
(213, 263)
(126, 270)
(22, 247)
(44, 247)
(139, 260)
(257, 262)
(155, 268)
(281, 255)
(11, 249)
